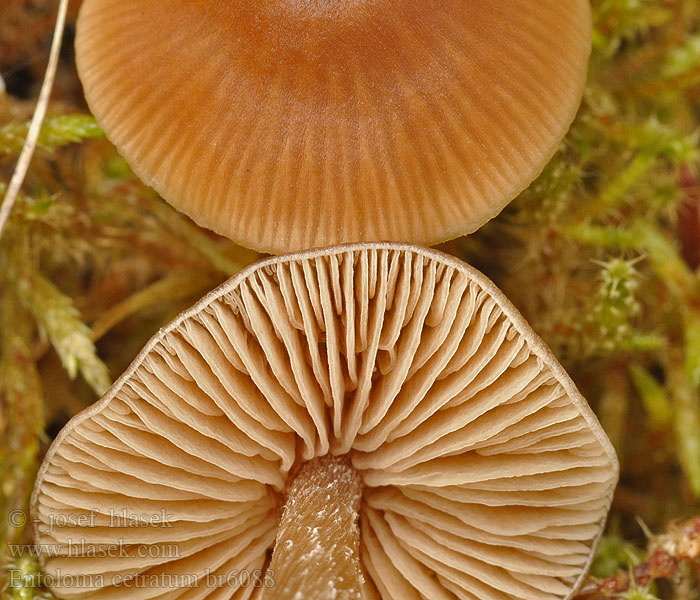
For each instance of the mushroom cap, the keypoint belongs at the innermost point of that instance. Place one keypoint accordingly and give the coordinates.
(486, 475)
(287, 124)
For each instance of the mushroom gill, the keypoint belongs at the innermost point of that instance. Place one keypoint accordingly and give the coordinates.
(233, 457)
(287, 125)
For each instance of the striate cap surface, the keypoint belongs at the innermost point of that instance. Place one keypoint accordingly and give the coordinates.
(294, 124)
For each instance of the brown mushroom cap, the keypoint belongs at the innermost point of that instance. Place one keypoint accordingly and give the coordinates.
(486, 475)
(287, 125)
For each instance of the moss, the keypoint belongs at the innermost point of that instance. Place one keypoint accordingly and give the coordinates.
(600, 254)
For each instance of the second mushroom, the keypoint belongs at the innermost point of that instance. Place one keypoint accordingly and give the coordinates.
(371, 421)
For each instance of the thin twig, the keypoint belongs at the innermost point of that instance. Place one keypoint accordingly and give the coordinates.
(25, 156)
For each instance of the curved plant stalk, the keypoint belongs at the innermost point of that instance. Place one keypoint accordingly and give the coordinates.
(25, 156)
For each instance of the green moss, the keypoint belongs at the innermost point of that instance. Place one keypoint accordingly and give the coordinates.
(600, 253)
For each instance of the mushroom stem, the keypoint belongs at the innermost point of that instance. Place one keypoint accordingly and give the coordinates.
(316, 553)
